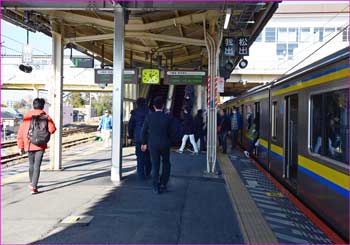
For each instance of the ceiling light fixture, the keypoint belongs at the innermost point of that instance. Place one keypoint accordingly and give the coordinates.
(227, 18)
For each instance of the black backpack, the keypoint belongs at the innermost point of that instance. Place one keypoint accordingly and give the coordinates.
(38, 133)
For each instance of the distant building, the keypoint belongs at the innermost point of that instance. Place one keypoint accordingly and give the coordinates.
(293, 34)
(67, 114)
(10, 122)
(84, 114)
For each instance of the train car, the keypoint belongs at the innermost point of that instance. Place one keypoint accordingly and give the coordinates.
(304, 128)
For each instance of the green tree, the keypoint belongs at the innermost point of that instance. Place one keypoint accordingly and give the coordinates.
(76, 100)
(101, 102)
(22, 104)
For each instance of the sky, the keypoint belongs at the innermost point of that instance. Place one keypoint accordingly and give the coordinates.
(13, 38)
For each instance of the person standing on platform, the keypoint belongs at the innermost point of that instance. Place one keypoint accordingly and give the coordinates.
(134, 129)
(33, 135)
(199, 130)
(254, 137)
(156, 137)
(236, 124)
(106, 128)
(188, 130)
(224, 128)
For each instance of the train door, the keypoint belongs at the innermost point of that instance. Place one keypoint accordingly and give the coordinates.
(257, 126)
(290, 166)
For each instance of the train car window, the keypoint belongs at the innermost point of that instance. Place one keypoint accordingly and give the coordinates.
(330, 125)
(274, 120)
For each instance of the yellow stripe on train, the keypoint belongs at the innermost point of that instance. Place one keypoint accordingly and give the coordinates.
(326, 78)
(332, 175)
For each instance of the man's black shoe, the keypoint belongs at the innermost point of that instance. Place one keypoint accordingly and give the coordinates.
(163, 188)
(156, 190)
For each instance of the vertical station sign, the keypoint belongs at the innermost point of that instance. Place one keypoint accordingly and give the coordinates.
(27, 56)
(229, 47)
(242, 45)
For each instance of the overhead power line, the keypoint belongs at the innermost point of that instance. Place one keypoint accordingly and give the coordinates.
(341, 31)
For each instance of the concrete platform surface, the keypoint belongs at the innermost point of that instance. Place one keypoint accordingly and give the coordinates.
(196, 209)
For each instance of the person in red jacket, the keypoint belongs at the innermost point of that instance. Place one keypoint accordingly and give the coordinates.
(35, 152)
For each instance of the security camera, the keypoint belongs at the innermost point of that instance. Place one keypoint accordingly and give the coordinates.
(102, 85)
(243, 63)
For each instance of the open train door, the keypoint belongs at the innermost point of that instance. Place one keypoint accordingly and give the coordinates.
(290, 165)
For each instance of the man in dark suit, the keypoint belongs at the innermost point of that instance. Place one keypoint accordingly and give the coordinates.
(134, 129)
(156, 136)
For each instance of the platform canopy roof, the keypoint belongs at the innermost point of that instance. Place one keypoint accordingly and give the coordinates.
(169, 29)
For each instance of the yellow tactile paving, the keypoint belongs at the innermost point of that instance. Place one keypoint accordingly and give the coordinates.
(254, 228)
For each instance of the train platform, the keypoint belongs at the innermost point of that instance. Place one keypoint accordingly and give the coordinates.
(81, 205)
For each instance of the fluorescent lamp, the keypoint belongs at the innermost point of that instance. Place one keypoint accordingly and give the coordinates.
(227, 18)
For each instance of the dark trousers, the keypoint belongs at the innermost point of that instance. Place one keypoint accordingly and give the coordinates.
(200, 137)
(234, 136)
(35, 159)
(156, 155)
(223, 136)
(143, 162)
(251, 146)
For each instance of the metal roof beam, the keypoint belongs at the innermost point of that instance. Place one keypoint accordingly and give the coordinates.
(108, 5)
(144, 35)
(87, 20)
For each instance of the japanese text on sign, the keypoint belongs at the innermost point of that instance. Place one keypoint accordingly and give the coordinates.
(243, 49)
(229, 49)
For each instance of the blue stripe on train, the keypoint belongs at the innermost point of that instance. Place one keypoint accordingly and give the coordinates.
(335, 187)
(279, 157)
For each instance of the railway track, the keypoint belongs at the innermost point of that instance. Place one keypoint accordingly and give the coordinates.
(65, 133)
(16, 156)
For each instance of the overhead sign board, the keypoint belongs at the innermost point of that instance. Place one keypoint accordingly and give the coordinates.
(83, 62)
(185, 77)
(105, 76)
(27, 56)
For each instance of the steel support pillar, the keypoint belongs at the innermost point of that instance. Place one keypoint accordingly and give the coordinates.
(35, 92)
(213, 61)
(199, 97)
(56, 100)
(118, 94)
(169, 97)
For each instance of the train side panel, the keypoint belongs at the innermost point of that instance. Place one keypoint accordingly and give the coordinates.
(320, 181)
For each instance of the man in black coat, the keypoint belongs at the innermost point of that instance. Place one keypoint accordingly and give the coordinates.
(224, 128)
(156, 137)
(134, 129)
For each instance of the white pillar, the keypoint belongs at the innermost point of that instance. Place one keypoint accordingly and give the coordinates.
(199, 97)
(35, 92)
(169, 97)
(118, 95)
(56, 109)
